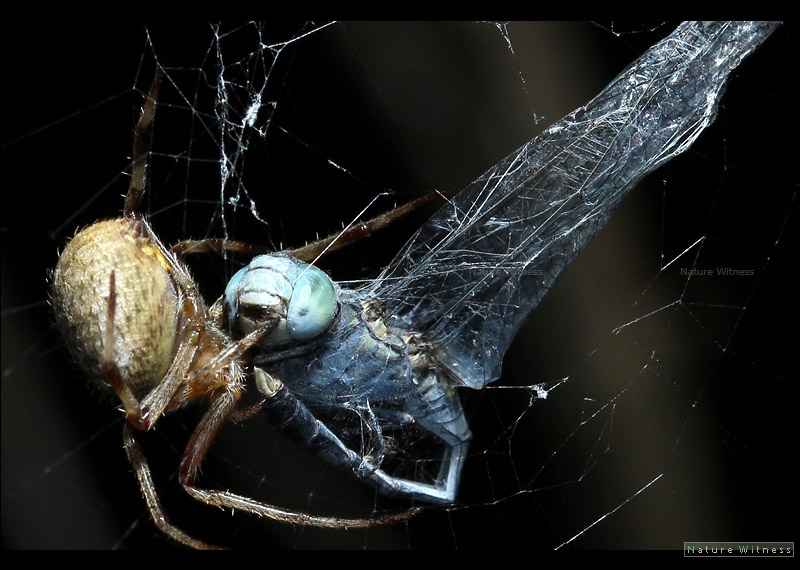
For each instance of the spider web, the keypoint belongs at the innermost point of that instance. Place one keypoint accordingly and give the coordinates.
(651, 397)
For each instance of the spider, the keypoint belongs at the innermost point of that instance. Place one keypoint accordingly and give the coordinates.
(137, 326)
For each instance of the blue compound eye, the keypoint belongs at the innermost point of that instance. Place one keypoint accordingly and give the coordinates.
(297, 301)
(313, 304)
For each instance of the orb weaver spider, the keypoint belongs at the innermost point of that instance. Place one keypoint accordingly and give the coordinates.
(137, 326)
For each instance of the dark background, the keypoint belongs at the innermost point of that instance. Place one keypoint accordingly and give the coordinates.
(700, 397)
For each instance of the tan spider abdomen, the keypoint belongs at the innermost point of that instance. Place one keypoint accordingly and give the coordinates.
(145, 308)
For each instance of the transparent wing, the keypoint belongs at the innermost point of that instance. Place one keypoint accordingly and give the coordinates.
(471, 275)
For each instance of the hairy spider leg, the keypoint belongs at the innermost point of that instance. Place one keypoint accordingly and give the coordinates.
(142, 137)
(213, 421)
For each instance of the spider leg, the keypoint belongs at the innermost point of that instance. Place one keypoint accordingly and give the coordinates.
(204, 435)
(207, 245)
(110, 369)
(226, 371)
(316, 249)
(222, 409)
(141, 417)
(310, 251)
(142, 470)
(141, 146)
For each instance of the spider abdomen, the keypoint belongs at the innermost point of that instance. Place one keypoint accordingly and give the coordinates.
(145, 302)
